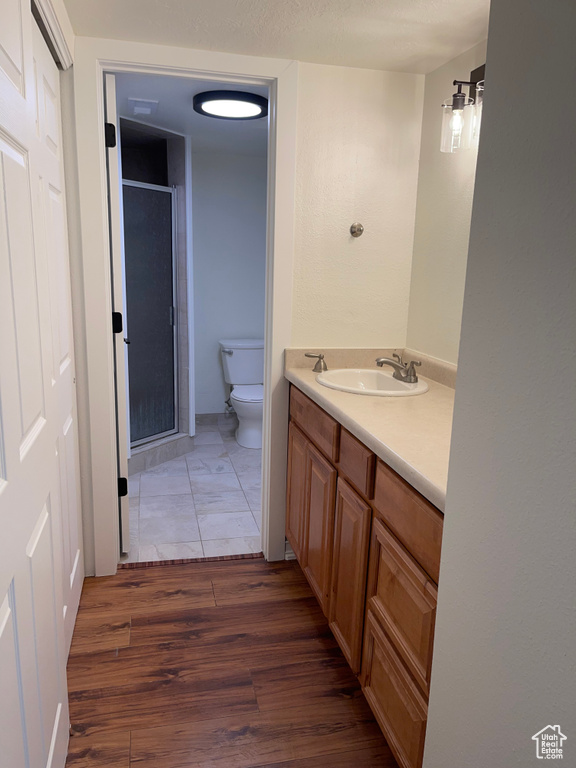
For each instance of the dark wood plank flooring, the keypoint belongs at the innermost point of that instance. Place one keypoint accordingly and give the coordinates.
(228, 664)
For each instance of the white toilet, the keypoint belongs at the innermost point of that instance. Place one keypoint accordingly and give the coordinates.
(243, 364)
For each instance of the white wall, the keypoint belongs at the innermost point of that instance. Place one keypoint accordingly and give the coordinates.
(444, 208)
(229, 236)
(505, 657)
(357, 160)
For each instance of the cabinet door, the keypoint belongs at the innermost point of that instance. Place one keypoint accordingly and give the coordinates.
(321, 492)
(348, 583)
(296, 500)
(393, 696)
(403, 598)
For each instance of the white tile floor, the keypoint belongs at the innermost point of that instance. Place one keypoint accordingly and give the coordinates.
(204, 504)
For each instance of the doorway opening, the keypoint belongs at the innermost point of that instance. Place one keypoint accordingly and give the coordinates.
(194, 491)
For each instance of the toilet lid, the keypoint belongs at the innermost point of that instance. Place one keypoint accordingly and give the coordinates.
(248, 393)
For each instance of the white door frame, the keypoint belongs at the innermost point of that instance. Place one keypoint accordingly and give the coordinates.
(94, 57)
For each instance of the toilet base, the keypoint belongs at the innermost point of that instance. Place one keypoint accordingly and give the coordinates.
(249, 436)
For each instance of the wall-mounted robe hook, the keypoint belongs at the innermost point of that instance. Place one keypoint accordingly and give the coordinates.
(356, 229)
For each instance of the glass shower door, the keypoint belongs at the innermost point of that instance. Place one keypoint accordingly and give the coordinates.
(150, 310)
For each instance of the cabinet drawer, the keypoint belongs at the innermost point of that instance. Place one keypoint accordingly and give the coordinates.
(357, 463)
(416, 522)
(393, 696)
(320, 428)
(404, 600)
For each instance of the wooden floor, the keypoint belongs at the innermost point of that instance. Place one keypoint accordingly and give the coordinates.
(225, 664)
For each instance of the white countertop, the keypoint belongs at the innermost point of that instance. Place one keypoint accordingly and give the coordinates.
(411, 434)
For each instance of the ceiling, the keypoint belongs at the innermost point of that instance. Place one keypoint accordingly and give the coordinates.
(174, 113)
(397, 35)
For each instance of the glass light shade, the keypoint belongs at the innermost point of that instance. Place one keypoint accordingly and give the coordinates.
(233, 109)
(478, 112)
(457, 126)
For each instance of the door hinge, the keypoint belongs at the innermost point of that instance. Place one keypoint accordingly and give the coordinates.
(122, 487)
(110, 134)
(117, 326)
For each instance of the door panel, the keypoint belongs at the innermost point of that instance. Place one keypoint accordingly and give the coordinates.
(296, 498)
(11, 43)
(21, 274)
(321, 494)
(350, 560)
(150, 309)
(12, 739)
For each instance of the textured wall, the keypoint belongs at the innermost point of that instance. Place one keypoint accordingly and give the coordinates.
(504, 659)
(358, 145)
(229, 231)
(443, 211)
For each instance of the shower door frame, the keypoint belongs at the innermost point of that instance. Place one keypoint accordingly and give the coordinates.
(172, 191)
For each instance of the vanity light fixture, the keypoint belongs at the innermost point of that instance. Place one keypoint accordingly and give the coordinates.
(230, 105)
(461, 114)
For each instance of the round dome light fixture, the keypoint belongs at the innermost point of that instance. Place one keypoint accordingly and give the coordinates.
(230, 105)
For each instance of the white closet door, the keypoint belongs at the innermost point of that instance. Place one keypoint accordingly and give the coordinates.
(41, 567)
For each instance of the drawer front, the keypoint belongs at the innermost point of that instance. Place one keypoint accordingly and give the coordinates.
(357, 463)
(403, 598)
(416, 522)
(394, 698)
(320, 428)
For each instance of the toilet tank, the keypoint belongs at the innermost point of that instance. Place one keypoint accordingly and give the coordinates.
(242, 360)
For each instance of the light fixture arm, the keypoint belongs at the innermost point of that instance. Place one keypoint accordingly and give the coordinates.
(459, 98)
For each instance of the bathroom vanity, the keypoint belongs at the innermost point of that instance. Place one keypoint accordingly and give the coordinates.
(364, 518)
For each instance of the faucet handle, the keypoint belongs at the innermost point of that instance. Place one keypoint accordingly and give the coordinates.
(415, 362)
(399, 358)
(320, 365)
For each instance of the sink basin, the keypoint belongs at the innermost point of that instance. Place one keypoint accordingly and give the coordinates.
(369, 382)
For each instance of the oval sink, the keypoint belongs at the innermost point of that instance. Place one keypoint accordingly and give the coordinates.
(369, 382)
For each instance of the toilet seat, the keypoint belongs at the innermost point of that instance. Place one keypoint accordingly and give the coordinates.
(248, 393)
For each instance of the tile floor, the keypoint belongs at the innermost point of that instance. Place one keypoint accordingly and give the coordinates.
(204, 504)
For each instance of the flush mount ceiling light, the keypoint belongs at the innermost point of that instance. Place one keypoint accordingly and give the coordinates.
(230, 105)
(461, 114)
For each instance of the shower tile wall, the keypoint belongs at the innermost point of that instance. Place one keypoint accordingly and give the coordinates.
(206, 503)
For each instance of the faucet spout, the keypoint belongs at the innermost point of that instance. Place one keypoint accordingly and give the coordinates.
(402, 371)
(399, 368)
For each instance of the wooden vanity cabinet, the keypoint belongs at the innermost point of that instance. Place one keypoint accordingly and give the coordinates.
(369, 545)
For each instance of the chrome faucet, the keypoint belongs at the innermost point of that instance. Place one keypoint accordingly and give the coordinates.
(320, 363)
(402, 371)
